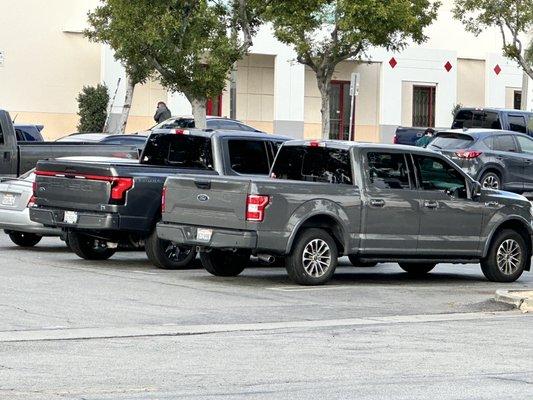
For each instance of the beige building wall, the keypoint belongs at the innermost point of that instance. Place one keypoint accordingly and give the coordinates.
(470, 82)
(255, 92)
(367, 102)
(46, 63)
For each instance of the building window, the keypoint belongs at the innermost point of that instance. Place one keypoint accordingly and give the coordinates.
(214, 106)
(517, 99)
(424, 106)
(339, 113)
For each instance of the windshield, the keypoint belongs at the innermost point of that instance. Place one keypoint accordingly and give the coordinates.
(452, 141)
(313, 164)
(182, 151)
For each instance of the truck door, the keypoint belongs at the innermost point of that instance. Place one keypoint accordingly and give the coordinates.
(450, 222)
(391, 208)
(8, 146)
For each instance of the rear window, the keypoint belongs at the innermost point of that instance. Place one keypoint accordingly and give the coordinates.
(452, 141)
(182, 151)
(476, 119)
(248, 156)
(313, 164)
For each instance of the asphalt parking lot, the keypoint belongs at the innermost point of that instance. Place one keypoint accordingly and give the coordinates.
(121, 329)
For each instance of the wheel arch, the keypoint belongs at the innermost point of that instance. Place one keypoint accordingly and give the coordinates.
(498, 169)
(330, 222)
(518, 225)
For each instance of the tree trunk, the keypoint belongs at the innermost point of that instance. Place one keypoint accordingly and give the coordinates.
(128, 99)
(324, 85)
(199, 111)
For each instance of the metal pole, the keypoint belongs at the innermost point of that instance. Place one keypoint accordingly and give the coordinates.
(351, 135)
(233, 93)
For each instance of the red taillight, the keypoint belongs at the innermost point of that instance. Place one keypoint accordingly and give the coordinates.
(119, 186)
(34, 188)
(31, 202)
(255, 207)
(395, 139)
(181, 131)
(164, 199)
(314, 143)
(468, 153)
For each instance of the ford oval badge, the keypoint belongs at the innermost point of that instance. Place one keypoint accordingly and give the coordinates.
(202, 197)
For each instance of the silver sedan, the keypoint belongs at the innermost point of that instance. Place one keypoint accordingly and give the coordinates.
(16, 195)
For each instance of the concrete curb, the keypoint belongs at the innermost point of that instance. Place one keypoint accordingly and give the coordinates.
(521, 299)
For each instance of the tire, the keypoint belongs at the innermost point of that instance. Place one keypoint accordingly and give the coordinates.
(503, 264)
(361, 264)
(225, 263)
(23, 239)
(417, 269)
(88, 248)
(491, 180)
(167, 255)
(313, 258)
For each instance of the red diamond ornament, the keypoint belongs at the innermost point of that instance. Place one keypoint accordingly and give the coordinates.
(448, 66)
(497, 69)
(393, 62)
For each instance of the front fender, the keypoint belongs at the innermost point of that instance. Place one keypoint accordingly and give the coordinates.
(496, 226)
(314, 208)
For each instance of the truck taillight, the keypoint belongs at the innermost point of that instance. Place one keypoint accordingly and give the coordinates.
(468, 153)
(164, 199)
(119, 187)
(31, 202)
(255, 207)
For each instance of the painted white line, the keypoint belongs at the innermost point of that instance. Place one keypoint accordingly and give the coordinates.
(183, 330)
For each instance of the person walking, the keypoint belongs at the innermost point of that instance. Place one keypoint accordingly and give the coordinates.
(426, 139)
(162, 113)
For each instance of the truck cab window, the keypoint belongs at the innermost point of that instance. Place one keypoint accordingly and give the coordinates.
(178, 150)
(313, 164)
(388, 171)
(248, 157)
(437, 175)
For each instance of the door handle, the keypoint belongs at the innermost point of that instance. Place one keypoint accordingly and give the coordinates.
(431, 204)
(377, 203)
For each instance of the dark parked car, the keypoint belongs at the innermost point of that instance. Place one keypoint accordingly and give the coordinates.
(372, 202)
(212, 122)
(494, 118)
(497, 159)
(490, 118)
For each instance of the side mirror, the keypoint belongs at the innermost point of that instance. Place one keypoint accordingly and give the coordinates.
(476, 190)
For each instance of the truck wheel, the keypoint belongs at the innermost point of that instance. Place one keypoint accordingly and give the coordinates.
(417, 269)
(313, 258)
(225, 263)
(23, 239)
(507, 257)
(166, 254)
(357, 263)
(88, 247)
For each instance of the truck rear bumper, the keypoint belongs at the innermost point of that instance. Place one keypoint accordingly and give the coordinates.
(86, 220)
(220, 238)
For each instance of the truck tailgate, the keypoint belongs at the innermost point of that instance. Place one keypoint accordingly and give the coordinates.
(206, 201)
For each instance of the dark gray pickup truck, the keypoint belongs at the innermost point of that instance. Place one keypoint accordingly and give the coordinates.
(374, 203)
(17, 158)
(104, 205)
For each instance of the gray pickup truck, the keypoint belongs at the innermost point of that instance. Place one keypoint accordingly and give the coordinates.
(374, 203)
(17, 158)
(103, 205)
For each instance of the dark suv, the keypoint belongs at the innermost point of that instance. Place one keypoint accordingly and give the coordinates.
(497, 159)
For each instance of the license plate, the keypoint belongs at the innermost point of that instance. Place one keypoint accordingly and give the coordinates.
(8, 200)
(204, 235)
(70, 217)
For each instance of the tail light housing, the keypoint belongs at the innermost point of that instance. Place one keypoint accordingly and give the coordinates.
(119, 185)
(255, 207)
(395, 139)
(31, 201)
(164, 199)
(468, 153)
